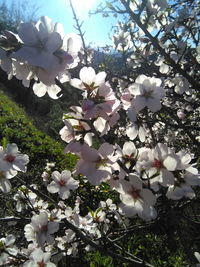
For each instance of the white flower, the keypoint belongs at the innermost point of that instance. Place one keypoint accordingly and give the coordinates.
(67, 243)
(96, 165)
(108, 204)
(161, 161)
(133, 130)
(181, 85)
(7, 245)
(40, 89)
(39, 46)
(136, 199)
(12, 160)
(62, 184)
(40, 230)
(147, 92)
(89, 80)
(39, 259)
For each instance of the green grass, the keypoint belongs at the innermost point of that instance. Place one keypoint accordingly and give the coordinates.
(16, 127)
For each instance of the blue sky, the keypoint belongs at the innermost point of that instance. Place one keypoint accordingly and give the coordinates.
(96, 28)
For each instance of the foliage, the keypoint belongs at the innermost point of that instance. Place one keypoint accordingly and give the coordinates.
(15, 127)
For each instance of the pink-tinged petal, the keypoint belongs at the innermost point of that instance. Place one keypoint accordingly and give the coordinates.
(100, 78)
(132, 114)
(139, 102)
(37, 254)
(12, 149)
(142, 134)
(54, 42)
(148, 197)
(53, 90)
(160, 151)
(46, 77)
(114, 118)
(43, 218)
(135, 89)
(45, 26)
(53, 227)
(64, 193)
(39, 89)
(47, 61)
(28, 33)
(166, 177)
(74, 147)
(132, 131)
(88, 138)
(104, 90)
(87, 75)
(141, 78)
(128, 211)
(97, 177)
(192, 179)
(158, 93)
(72, 184)
(153, 104)
(170, 162)
(89, 154)
(148, 213)
(106, 149)
(135, 181)
(129, 148)
(53, 187)
(85, 168)
(156, 81)
(99, 124)
(192, 170)
(72, 43)
(184, 156)
(56, 176)
(60, 29)
(65, 174)
(67, 133)
(20, 162)
(5, 185)
(77, 83)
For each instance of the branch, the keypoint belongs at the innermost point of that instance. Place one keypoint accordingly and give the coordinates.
(176, 67)
(78, 27)
(84, 237)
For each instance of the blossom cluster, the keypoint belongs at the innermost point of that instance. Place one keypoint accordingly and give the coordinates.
(40, 51)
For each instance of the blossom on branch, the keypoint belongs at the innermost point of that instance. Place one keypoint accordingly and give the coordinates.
(62, 184)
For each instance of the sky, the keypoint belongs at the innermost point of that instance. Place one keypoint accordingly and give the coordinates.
(96, 27)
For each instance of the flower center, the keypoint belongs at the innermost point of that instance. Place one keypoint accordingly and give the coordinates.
(101, 163)
(147, 94)
(157, 164)
(41, 263)
(9, 158)
(1, 175)
(135, 193)
(44, 228)
(62, 182)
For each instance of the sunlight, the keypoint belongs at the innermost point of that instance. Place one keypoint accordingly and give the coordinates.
(82, 7)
